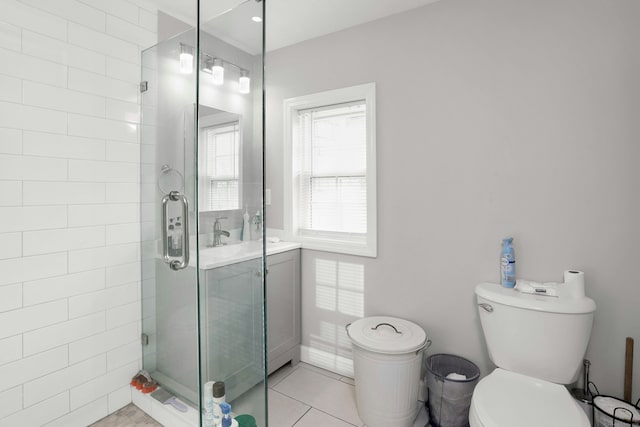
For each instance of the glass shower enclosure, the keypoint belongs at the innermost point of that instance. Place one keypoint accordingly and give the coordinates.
(203, 315)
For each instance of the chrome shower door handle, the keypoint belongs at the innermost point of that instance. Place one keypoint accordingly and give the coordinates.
(183, 261)
(181, 264)
(165, 229)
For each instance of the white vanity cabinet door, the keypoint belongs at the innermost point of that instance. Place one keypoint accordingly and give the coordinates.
(283, 309)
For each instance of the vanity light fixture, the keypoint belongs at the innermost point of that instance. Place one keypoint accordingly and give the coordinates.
(214, 66)
(186, 59)
(244, 83)
(217, 72)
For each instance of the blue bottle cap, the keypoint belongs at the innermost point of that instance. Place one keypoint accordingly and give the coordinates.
(225, 408)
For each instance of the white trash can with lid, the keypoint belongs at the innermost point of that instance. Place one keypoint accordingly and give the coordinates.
(387, 358)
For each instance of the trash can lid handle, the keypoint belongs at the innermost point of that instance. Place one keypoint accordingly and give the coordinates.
(386, 324)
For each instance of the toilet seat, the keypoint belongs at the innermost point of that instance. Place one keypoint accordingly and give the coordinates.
(508, 399)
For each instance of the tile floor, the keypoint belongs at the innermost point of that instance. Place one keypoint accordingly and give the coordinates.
(129, 416)
(300, 396)
(306, 396)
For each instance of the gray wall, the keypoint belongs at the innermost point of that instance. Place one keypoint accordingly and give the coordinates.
(495, 118)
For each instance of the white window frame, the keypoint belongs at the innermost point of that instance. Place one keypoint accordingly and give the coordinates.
(346, 243)
(217, 120)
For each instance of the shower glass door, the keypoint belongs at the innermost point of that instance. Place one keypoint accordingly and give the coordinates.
(230, 187)
(168, 215)
(203, 313)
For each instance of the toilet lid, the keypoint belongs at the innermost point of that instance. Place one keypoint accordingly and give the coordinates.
(507, 399)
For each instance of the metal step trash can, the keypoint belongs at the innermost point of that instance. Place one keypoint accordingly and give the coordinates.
(450, 383)
(387, 360)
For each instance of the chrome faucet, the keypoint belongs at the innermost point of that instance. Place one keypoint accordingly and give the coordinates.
(257, 220)
(218, 232)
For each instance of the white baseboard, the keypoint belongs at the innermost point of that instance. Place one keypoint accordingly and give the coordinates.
(329, 361)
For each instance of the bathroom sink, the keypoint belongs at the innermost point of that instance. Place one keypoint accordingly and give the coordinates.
(238, 252)
(233, 250)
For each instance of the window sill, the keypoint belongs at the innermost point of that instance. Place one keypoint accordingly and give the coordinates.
(335, 246)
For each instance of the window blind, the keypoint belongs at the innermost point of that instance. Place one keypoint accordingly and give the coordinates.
(223, 166)
(332, 168)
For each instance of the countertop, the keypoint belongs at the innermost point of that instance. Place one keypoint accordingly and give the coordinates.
(239, 252)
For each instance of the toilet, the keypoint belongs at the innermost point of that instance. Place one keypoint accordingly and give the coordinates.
(538, 344)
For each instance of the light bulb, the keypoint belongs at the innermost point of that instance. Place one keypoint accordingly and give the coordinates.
(186, 59)
(256, 19)
(186, 63)
(217, 72)
(207, 63)
(244, 82)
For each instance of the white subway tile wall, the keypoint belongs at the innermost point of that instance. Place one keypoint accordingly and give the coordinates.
(69, 211)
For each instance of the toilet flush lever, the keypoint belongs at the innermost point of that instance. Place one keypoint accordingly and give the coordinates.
(487, 307)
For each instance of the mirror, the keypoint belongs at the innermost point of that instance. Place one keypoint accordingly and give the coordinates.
(229, 144)
(220, 160)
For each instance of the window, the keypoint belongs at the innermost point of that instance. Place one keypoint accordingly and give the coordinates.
(223, 166)
(330, 184)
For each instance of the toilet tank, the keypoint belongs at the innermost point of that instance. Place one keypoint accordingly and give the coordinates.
(540, 336)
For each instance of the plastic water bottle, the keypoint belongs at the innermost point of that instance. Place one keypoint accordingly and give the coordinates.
(507, 264)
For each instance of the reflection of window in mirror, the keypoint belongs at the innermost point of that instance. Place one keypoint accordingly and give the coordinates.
(222, 145)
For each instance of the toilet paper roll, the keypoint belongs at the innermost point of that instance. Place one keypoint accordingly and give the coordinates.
(574, 283)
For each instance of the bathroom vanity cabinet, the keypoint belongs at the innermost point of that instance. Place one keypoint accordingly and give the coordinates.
(283, 309)
(232, 305)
